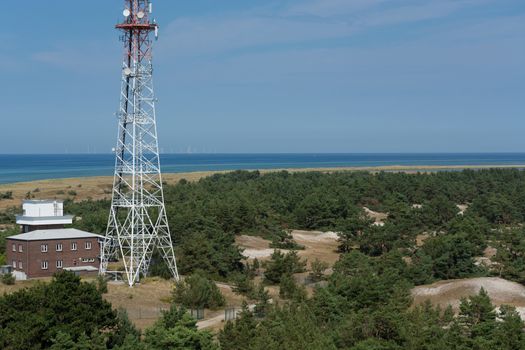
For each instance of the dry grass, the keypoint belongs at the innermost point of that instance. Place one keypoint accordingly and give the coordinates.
(318, 245)
(96, 187)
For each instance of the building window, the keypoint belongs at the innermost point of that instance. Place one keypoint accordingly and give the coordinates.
(14, 247)
(20, 248)
(20, 266)
(44, 265)
(73, 245)
(88, 245)
(59, 247)
(59, 264)
(14, 264)
(43, 248)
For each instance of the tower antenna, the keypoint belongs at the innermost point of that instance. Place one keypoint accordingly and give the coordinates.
(137, 223)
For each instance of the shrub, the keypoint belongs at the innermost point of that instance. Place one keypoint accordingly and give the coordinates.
(289, 289)
(318, 267)
(284, 240)
(102, 284)
(197, 291)
(282, 264)
(72, 192)
(8, 279)
(6, 195)
(243, 284)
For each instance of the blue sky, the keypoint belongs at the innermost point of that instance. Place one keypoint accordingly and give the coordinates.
(273, 75)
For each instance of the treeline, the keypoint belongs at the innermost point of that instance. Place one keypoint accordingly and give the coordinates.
(205, 216)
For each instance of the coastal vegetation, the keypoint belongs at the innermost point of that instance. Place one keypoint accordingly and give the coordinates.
(206, 216)
(433, 226)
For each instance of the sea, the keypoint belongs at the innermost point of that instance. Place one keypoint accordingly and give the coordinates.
(29, 167)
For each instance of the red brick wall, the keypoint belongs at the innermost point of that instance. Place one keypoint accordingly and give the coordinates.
(17, 256)
(32, 257)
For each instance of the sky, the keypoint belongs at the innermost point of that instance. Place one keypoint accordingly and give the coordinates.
(265, 76)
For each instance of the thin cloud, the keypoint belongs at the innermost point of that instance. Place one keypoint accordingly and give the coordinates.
(331, 19)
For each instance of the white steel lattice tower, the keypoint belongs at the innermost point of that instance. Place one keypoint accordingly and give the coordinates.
(137, 222)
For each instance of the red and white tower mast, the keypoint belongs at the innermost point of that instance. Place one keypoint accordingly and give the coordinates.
(137, 222)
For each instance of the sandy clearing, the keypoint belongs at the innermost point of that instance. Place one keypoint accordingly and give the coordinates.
(314, 236)
(318, 245)
(421, 238)
(252, 242)
(379, 218)
(462, 208)
(254, 247)
(444, 293)
(260, 254)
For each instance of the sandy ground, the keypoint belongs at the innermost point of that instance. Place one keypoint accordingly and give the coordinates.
(379, 218)
(254, 247)
(79, 189)
(318, 245)
(444, 293)
(462, 208)
(99, 187)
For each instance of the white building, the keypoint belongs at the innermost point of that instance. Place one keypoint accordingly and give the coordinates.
(43, 214)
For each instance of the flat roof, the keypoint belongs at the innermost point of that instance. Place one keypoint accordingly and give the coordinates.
(40, 218)
(81, 268)
(60, 233)
(39, 201)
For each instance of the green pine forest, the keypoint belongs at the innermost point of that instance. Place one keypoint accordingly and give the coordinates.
(364, 303)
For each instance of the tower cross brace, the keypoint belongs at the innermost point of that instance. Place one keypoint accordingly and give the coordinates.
(137, 223)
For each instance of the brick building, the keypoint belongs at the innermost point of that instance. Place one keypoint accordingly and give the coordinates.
(45, 247)
(41, 253)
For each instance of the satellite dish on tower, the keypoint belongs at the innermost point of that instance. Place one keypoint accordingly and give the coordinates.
(126, 13)
(127, 71)
(140, 15)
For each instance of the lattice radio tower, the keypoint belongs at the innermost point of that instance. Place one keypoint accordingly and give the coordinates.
(137, 222)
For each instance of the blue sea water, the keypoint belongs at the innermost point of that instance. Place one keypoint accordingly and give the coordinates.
(28, 167)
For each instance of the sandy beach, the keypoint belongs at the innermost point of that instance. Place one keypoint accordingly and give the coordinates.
(99, 187)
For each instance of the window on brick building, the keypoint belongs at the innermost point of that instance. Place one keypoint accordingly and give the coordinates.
(88, 245)
(20, 248)
(20, 266)
(14, 264)
(59, 247)
(44, 265)
(43, 248)
(14, 247)
(60, 263)
(73, 245)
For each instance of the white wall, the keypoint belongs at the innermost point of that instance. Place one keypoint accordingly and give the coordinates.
(36, 209)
